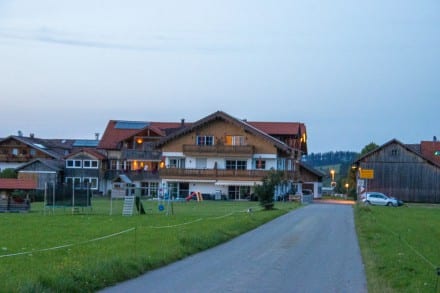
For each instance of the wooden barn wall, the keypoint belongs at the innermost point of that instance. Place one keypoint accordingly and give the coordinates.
(404, 175)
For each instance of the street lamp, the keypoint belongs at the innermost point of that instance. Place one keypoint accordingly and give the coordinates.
(332, 172)
(346, 189)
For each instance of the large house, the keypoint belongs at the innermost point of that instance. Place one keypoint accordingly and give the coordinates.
(218, 154)
(409, 172)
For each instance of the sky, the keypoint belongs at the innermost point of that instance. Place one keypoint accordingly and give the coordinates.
(353, 72)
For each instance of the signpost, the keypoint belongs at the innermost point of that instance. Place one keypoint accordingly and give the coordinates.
(366, 173)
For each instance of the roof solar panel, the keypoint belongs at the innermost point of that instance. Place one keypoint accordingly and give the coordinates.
(86, 143)
(130, 125)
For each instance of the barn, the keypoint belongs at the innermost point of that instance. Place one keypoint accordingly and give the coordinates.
(404, 171)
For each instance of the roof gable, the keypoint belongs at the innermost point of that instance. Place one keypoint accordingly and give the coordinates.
(118, 131)
(42, 165)
(219, 115)
(91, 152)
(409, 148)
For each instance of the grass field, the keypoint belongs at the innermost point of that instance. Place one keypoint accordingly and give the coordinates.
(400, 247)
(54, 250)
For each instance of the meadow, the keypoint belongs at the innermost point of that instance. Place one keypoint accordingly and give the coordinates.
(56, 250)
(400, 247)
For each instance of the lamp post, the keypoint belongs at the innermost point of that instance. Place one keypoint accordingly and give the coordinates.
(346, 189)
(332, 172)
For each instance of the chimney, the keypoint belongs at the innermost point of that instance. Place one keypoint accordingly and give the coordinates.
(182, 122)
(97, 135)
(31, 135)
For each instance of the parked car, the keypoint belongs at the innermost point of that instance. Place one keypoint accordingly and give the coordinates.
(378, 198)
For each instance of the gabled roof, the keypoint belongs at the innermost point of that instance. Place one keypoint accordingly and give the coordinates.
(219, 115)
(312, 170)
(93, 152)
(119, 130)
(23, 184)
(55, 165)
(36, 143)
(409, 148)
(431, 150)
(280, 128)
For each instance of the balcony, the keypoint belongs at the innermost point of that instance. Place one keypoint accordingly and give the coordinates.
(148, 155)
(14, 158)
(218, 150)
(133, 175)
(212, 174)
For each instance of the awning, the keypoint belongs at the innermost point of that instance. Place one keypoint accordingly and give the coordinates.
(189, 180)
(123, 178)
(237, 183)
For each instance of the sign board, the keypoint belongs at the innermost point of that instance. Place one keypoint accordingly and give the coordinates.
(366, 173)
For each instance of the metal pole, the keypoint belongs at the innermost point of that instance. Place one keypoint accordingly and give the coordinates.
(53, 197)
(73, 195)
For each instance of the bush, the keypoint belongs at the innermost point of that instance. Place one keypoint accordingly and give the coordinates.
(265, 192)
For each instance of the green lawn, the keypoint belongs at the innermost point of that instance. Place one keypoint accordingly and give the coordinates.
(400, 247)
(54, 250)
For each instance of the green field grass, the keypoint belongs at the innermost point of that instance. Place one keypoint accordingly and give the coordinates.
(400, 247)
(55, 250)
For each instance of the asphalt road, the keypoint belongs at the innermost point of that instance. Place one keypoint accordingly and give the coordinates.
(312, 249)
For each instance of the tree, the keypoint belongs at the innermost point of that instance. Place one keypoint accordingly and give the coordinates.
(8, 173)
(368, 148)
(265, 192)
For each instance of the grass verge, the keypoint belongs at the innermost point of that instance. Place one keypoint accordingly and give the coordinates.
(54, 250)
(400, 247)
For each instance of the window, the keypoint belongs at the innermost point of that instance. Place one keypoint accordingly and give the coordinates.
(236, 165)
(260, 164)
(149, 188)
(73, 164)
(394, 152)
(205, 140)
(235, 140)
(15, 151)
(92, 164)
(32, 152)
(177, 163)
(91, 182)
(73, 181)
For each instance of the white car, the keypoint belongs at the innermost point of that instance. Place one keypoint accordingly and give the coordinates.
(377, 198)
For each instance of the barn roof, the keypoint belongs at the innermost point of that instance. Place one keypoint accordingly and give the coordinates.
(12, 183)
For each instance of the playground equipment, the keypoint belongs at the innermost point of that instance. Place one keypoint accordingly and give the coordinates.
(195, 194)
(64, 195)
(164, 200)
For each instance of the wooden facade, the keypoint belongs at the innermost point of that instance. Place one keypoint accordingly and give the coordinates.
(402, 172)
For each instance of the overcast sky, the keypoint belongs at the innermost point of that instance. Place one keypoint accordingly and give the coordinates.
(354, 72)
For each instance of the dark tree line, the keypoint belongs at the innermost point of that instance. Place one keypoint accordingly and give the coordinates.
(330, 158)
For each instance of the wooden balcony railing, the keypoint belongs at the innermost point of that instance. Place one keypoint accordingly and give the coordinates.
(148, 155)
(212, 174)
(218, 150)
(133, 175)
(12, 158)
